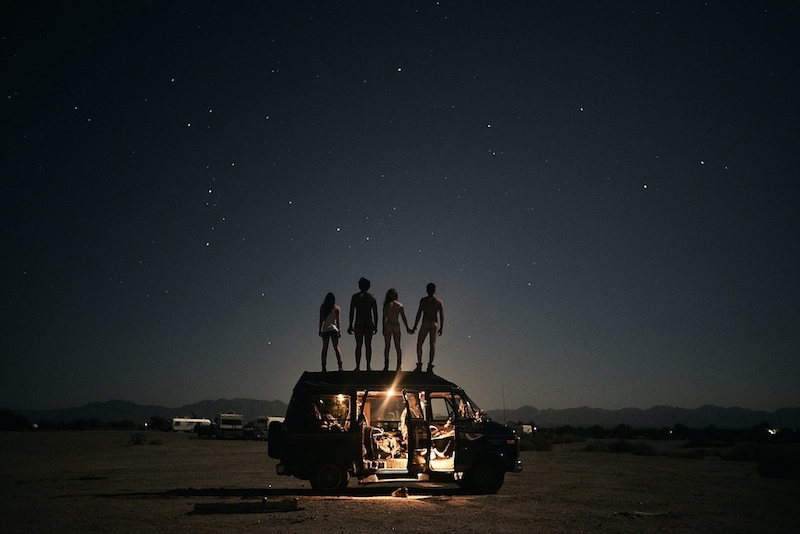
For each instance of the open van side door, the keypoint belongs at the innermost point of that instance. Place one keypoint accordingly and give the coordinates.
(419, 435)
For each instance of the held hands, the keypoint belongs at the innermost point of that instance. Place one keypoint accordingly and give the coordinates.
(410, 331)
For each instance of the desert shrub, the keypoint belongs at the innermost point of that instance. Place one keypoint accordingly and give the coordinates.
(688, 454)
(642, 448)
(620, 446)
(138, 438)
(567, 438)
(743, 452)
(535, 442)
(779, 462)
(596, 445)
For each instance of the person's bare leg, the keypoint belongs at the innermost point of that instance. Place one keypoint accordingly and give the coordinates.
(336, 348)
(368, 349)
(359, 343)
(386, 347)
(324, 352)
(423, 333)
(434, 335)
(396, 336)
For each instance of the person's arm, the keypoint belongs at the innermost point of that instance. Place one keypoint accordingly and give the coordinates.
(403, 315)
(338, 311)
(375, 316)
(419, 314)
(319, 330)
(441, 314)
(352, 311)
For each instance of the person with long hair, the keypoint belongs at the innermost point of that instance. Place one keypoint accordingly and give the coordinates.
(392, 312)
(330, 329)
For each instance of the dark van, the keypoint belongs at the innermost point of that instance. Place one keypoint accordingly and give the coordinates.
(389, 426)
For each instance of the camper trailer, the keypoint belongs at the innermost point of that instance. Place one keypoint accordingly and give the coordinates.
(262, 422)
(228, 425)
(187, 424)
(389, 426)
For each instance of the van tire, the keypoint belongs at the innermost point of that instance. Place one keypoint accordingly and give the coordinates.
(484, 478)
(329, 477)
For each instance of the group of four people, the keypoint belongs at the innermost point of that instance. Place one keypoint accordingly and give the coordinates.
(364, 324)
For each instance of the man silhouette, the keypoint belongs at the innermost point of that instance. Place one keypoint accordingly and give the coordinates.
(430, 309)
(364, 308)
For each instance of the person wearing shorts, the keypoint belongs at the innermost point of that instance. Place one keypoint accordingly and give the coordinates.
(329, 329)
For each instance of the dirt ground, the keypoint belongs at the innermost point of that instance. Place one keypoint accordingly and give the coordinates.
(100, 482)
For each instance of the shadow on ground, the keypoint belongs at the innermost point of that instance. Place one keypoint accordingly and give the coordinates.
(275, 500)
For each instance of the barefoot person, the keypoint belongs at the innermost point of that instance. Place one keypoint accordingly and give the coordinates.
(392, 312)
(329, 329)
(364, 308)
(431, 309)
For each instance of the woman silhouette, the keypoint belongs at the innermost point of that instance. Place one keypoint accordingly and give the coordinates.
(329, 329)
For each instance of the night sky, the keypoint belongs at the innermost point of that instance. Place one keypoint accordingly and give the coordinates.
(605, 194)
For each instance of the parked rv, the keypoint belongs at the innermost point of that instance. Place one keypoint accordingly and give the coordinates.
(228, 425)
(389, 426)
(262, 422)
(186, 424)
(225, 425)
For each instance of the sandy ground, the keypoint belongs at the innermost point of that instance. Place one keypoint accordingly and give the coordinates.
(100, 482)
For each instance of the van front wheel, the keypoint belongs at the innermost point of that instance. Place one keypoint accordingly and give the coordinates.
(330, 478)
(484, 478)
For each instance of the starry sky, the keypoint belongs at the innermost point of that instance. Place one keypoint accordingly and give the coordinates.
(605, 194)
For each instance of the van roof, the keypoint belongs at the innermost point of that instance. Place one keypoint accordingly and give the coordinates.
(372, 380)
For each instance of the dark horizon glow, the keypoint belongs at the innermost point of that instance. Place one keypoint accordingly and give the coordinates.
(604, 195)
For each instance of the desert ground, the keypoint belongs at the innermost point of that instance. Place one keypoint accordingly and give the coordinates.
(104, 481)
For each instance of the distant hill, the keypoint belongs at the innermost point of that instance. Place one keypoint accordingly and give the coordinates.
(119, 410)
(655, 417)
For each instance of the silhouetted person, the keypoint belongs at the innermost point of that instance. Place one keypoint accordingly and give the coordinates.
(392, 312)
(329, 328)
(431, 309)
(364, 308)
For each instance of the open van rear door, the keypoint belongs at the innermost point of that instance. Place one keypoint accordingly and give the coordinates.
(419, 435)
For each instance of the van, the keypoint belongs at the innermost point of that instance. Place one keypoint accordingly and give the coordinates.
(385, 426)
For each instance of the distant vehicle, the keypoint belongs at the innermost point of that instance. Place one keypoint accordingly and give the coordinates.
(262, 422)
(186, 424)
(389, 426)
(228, 425)
(254, 433)
(225, 425)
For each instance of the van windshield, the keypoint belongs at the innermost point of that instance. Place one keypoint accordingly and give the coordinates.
(465, 408)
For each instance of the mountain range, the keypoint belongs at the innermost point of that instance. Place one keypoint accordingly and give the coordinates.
(119, 410)
(655, 417)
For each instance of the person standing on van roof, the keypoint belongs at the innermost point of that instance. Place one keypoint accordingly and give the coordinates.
(364, 308)
(392, 312)
(329, 328)
(430, 309)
